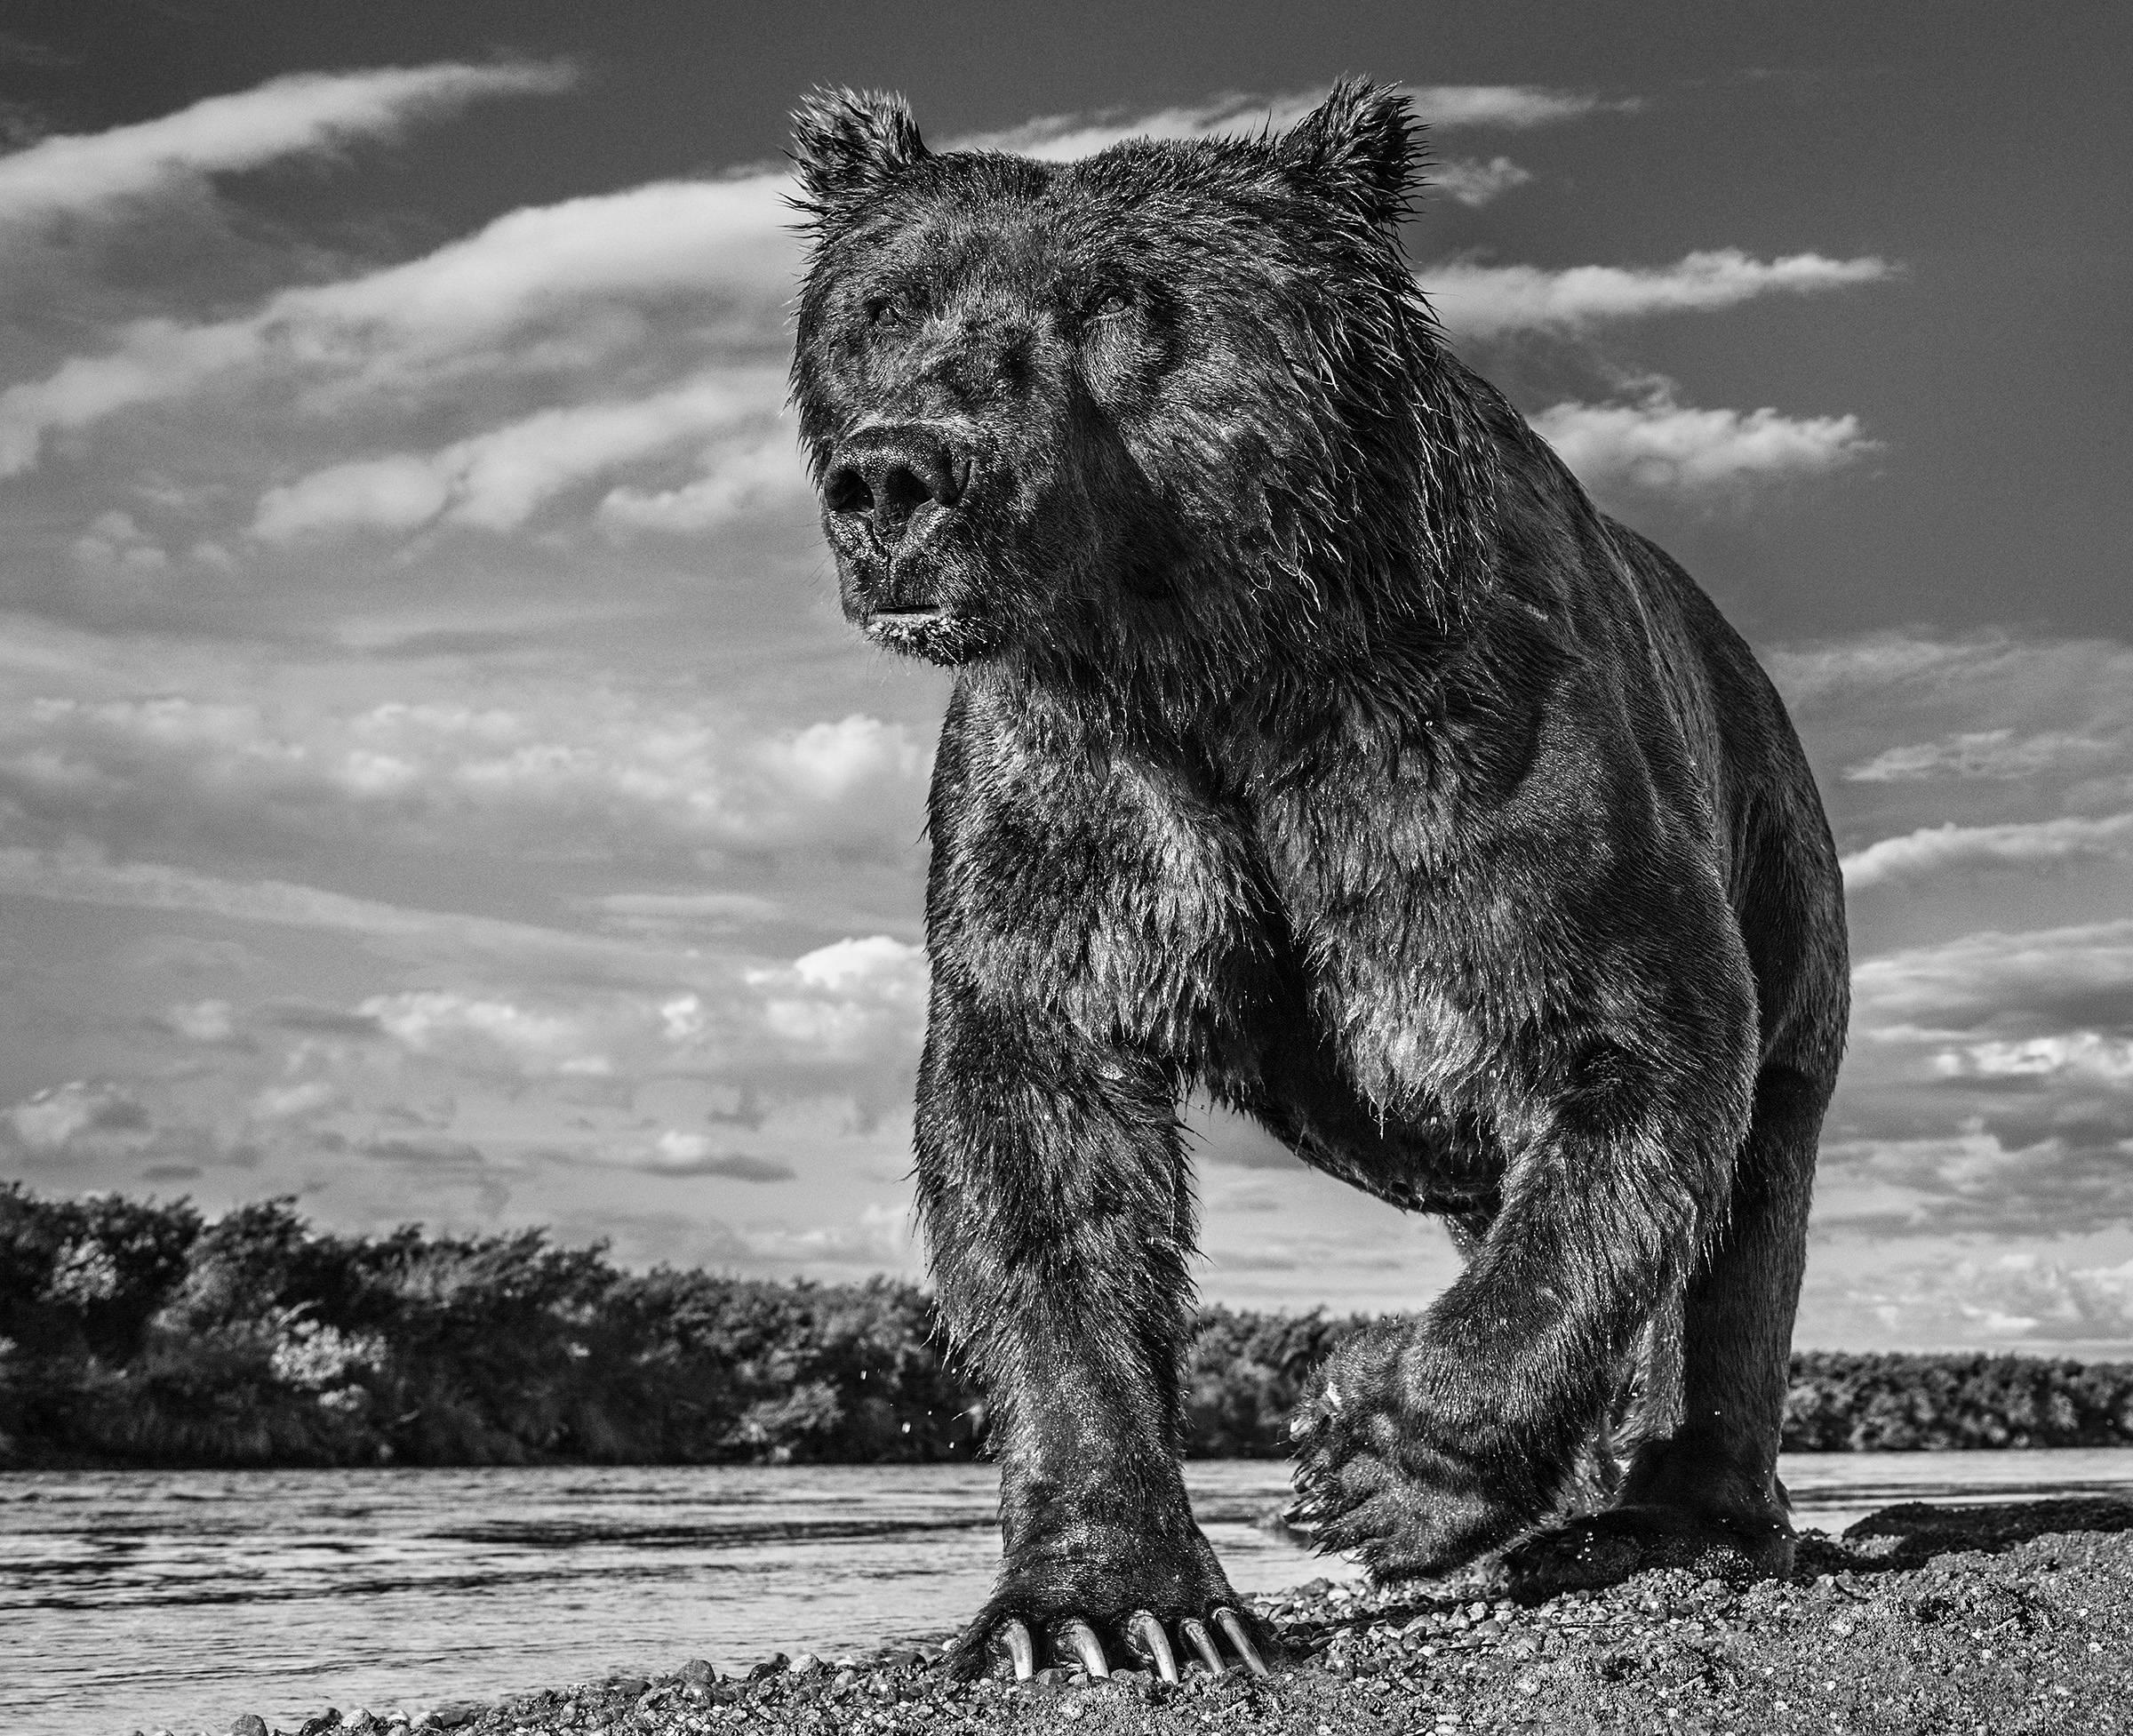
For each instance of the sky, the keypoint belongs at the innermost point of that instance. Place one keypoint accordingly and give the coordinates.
(436, 782)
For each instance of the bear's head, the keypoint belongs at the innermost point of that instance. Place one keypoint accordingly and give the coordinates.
(1176, 405)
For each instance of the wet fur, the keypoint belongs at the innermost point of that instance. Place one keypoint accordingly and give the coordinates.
(1317, 744)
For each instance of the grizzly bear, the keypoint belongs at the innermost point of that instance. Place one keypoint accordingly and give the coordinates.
(1315, 744)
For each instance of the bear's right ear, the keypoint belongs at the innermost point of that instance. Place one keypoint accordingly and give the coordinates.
(1361, 146)
(848, 144)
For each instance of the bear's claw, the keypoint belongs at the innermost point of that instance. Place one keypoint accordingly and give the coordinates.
(1226, 1620)
(1146, 1638)
(1014, 1634)
(1074, 1641)
(1203, 1642)
(1077, 1636)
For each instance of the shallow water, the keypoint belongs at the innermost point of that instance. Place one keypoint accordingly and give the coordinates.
(134, 1600)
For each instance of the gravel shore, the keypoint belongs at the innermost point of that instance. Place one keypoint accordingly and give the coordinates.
(2013, 1617)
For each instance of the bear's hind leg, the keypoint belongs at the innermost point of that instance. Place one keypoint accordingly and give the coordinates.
(1701, 1489)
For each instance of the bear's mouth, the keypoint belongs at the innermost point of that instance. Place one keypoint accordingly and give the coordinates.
(929, 631)
(907, 626)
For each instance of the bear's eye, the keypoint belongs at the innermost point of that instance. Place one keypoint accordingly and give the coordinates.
(1109, 302)
(885, 310)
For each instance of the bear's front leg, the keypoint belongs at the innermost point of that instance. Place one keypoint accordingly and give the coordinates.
(1058, 1221)
(1428, 1442)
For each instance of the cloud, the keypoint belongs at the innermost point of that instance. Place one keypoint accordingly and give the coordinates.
(498, 480)
(1978, 730)
(114, 542)
(303, 114)
(1064, 138)
(1874, 663)
(299, 1101)
(829, 760)
(1663, 446)
(2024, 983)
(2019, 1299)
(481, 1030)
(1470, 181)
(741, 476)
(1949, 847)
(1483, 301)
(553, 288)
(1997, 1181)
(2079, 1055)
(850, 996)
(675, 912)
(81, 874)
(1516, 106)
(1988, 1088)
(878, 965)
(546, 760)
(879, 1239)
(2025, 1295)
(676, 1152)
(1994, 754)
(572, 267)
(54, 1119)
(201, 1021)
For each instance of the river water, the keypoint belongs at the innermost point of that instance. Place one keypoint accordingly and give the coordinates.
(136, 1600)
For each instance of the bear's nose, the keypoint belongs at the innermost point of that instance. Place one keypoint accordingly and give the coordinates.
(887, 474)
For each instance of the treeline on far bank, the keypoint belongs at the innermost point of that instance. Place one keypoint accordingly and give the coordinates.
(135, 1333)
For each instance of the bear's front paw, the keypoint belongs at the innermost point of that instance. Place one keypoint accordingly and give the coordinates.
(1098, 1598)
(1375, 1472)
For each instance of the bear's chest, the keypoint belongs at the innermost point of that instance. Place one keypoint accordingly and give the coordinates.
(1229, 935)
(1105, 891)
(1376, 901)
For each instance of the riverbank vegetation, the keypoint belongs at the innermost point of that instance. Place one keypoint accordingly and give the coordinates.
(133, 1332)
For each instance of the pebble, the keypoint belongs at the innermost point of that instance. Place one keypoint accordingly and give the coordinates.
(1360, 1657)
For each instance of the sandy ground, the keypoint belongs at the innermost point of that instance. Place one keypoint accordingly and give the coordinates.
(2014, 1618)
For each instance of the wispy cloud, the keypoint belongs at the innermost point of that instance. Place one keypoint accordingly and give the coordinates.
(2018, 1300)
(590, 771)
(1659, 444)
(2052, 979)
(739, 477)
(1515, 106)
(2072, 1055)
(562, 270)
(1988, 1088)
(73, 173)
(84, 875)
(1063, 138)
(498, 480)
(1948, 848)
(1997, 755)
(1472, 182)
(678, 1153)
(1490, 301)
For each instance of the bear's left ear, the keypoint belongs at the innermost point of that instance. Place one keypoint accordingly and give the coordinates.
(1360, 146)
(848, 144)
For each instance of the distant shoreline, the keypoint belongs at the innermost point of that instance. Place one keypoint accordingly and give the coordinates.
(135, 1334)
